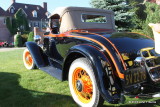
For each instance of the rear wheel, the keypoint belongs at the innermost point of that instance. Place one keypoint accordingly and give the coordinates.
(82, 83)
(28, 60)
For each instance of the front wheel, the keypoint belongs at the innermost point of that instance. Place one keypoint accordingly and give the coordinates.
(28, 60)
(82, 83)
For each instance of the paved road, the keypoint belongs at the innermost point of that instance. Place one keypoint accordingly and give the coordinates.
(10, 49)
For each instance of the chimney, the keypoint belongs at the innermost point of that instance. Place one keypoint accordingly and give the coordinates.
(13, 1)
(45, 5)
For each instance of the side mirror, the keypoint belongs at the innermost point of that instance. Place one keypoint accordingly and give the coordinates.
(139, 61)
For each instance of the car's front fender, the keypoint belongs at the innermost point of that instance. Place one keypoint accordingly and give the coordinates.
(37, 54)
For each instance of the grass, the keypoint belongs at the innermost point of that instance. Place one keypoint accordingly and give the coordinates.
(20, 87)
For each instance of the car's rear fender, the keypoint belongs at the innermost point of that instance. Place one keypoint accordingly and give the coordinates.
(37, 54)
(96, 57)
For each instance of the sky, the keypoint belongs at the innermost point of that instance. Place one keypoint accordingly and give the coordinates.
(52, 4)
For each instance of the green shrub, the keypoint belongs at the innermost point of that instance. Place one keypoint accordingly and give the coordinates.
(18, 41)
(26, 32)
(31, 36)
(25, 36)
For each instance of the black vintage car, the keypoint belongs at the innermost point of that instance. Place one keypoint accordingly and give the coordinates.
(83, 48)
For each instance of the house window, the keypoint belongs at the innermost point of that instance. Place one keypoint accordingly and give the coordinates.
(30, 24)
(36, 24)
(12, 10)
(48, 14)
(37, 8)
(26, 6)
(4, 21)
(34, 13)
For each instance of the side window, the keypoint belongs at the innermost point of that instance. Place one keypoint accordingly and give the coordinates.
(93, 18)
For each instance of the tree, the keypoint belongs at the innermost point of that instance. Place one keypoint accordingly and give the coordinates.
(153, 16)
(31, 36)
(21, 20)
(121, 9)
(139, 17)
(10, 23)
(14, 27)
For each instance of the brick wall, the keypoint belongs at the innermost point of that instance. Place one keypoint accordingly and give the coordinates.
(4, 32)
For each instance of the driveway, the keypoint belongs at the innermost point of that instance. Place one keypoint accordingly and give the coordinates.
(10, 49)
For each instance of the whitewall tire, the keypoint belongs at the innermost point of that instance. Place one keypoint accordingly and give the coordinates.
(82, 83)
(28, 60)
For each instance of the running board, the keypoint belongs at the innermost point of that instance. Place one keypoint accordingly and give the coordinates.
(55, 72)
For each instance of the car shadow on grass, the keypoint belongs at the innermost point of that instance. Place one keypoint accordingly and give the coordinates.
(14, 95)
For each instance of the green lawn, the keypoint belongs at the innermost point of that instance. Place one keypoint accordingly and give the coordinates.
(20, 87)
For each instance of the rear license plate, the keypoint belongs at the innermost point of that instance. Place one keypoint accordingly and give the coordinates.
(135, 75)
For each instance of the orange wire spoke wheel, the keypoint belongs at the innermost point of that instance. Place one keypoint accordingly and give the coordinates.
(28, 59)
(82, 85)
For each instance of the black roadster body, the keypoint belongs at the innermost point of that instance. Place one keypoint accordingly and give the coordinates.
(98, 63)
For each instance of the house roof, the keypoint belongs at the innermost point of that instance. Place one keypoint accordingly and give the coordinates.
(3, 13)
(28, 9)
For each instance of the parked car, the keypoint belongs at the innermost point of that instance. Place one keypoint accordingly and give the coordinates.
(99, 63)
(4, 44)
(1, 44)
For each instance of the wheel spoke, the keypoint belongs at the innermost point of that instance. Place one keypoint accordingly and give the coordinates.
(79, 75)
(82, 72)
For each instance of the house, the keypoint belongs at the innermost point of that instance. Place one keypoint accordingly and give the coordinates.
(4, 32)
(37, 15)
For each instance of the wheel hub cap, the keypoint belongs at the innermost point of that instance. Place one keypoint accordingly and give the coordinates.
(79, 85)
(28, 59)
